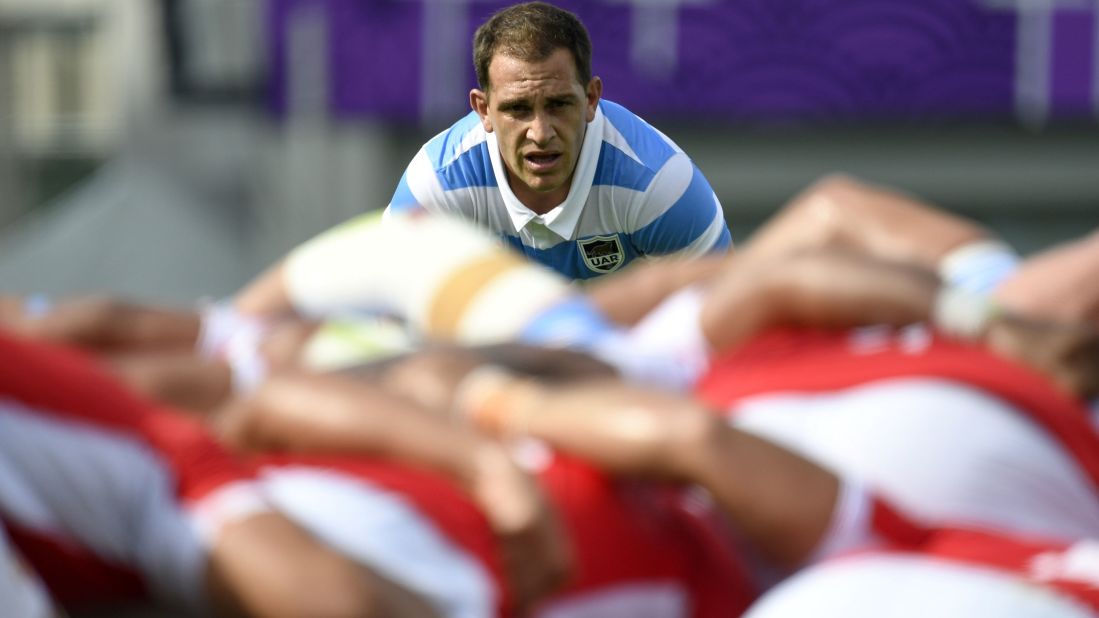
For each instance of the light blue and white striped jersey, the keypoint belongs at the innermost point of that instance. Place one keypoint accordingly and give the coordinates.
(634, 193)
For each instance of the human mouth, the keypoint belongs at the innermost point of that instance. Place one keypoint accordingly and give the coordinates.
(541, 161)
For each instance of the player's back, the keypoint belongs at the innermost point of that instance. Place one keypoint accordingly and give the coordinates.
(635, 554)
(947, 432)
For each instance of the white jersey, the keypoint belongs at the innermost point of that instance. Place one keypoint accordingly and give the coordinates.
(939, 450)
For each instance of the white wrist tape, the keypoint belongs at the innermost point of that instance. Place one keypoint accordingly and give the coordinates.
(979, 266)
(236, 339)
(962, 313)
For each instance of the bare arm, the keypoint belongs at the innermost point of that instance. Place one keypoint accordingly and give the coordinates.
(780, 501)
(331, 413)
(315, 413)
(101, 324)
(836, 289)
(182, 380)
(430, 377)
(266, 295)
(841, 212)
(627, 296)
(827, 289)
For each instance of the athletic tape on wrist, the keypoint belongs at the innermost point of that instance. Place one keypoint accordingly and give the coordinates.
(979, 266)
(962, 313)
(236, 339)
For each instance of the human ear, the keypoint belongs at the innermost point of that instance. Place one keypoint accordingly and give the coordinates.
(594, 92)
(478, 100)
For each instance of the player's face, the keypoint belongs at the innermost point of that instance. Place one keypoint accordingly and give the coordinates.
(539, 112)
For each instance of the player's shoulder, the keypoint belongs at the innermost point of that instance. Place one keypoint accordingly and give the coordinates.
(49, 380)
(627, 132)
(462, 137)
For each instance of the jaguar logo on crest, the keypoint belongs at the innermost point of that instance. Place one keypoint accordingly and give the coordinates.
(603, 254)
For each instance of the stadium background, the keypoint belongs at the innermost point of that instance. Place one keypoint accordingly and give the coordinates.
(167, 150)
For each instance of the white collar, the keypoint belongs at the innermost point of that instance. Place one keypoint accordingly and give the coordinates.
(563, 218)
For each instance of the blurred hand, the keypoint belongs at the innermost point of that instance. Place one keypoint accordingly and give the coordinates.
(1067, 352)
(235, 424)
(537, 558)
(431, 377)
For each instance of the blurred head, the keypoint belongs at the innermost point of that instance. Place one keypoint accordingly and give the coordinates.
(537, 95)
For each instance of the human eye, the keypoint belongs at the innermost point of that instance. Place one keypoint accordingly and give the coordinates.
(559, 105)
(516, 108)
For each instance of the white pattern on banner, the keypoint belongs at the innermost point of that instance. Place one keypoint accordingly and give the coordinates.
(1034, 55)
(654, 35)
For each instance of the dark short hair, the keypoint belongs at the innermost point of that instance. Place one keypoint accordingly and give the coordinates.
(531, 31)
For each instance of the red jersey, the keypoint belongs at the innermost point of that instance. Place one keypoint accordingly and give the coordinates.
(106, 496)
(634, 549)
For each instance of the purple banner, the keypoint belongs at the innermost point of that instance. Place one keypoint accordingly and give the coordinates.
(738, 60)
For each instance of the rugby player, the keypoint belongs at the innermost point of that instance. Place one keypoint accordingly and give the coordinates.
(112, 500)
(853, 553)
(951, 429)
(627, 551)
(572, 181)
(575, 182)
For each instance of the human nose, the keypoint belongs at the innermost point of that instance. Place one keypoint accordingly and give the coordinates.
(541, 129)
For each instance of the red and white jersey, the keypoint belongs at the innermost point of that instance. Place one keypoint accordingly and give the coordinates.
(952, 573)
(946, 431)
(108, 498)
(636, 554)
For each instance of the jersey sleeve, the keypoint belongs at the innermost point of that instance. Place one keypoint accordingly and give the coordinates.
(403, 200)
(680, 214)
(420, 188)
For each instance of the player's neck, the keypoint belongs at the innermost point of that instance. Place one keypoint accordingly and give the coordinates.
(537, 202)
